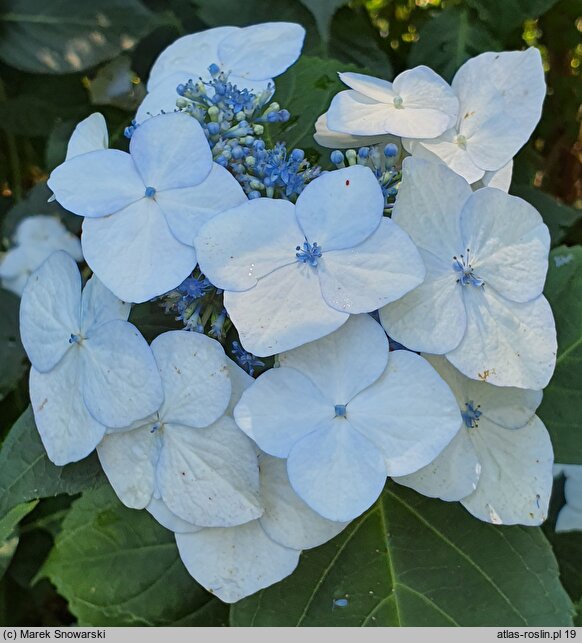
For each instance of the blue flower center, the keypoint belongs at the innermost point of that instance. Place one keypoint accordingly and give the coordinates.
(467, 277)
(471, 415)
(150, 192)
(156, 427)
(75, 339)
(310, 253)
(340, 411)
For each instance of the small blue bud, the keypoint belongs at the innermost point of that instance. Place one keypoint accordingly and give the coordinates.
(336, 157)
(181, 89)
(254, 194)
(213, 129)
(363, 152)
(298, 155)
(284, 116)
(214, 69)
(391, 150)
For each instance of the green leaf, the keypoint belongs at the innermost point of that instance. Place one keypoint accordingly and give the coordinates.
(66, 36)
(117, 566)
(448, 39)
(503, 16)
(557, 216)
(323, 12)
(152, 321)
(561, 406)
(9, 533)
(415, 561)
(12, 356)
(27, 473)
(306, 91)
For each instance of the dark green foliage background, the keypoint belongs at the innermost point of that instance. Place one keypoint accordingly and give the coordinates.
(69, 551)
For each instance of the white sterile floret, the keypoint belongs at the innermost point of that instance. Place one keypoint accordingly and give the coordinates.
(36, 238)
(252, 56)
(238, 561)
(418, 104)
(570, 515)
(339, 140)
(499, 465)
(481, 304)
(90, 367)
(143, 209)
(294, 273)
(346, 414)
(500, 97)
(189, 454)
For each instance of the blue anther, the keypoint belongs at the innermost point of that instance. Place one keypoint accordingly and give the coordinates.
(467, 276)
(310, 253)
(471, 415)
(74, 339)
(150, 192)
(155, 427)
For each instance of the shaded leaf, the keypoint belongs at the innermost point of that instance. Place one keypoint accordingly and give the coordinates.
(9, 532)
(415, 561)
(13, 359)
(26, 472)
(117, 566)
(323, 12)
(562, 403)
(503, 16)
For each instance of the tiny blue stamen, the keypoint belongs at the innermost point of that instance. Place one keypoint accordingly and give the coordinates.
(309, 254)
(74, 339)
(149, 192)
(467, 277)
(155, 427)
(340, 410)
(471, 415)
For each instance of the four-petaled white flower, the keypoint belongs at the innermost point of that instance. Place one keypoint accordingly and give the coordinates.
(481, 304)
(143, 209)
(235, 562)
(36, 238)
(418, 104)
(91, 368)
(252, 56)
(570, 515)
(499, 465)
(189, 454)
(346, 414)
(500, 97)
(294, 273)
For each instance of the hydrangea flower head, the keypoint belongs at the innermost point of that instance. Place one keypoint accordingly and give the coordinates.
(499, 465)
(143, 209)
(36, 238)
(481, 304)
(91, 368)
(500, 97)
(346, 414)
(189, 454)
(418, 104)
(252, 56)
(294, 273)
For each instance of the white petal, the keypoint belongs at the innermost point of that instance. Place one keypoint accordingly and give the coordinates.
(500, 179)
(569, 519)
(240, 381)
(99, 305)
(97, 183)
(210, 476)
(188, 209)
(429, 206)
(161, 99)
(248, 242)
(129, 460)
(38, 229)
(328, 138)
(506, 343)
(236, 562)
(431, 317)
(409, 414)
(280, 408)
(287, 519)
(509, 243)
(67, 430)
(271, 317)
(371, 87)
(262, 51)
(337, 471)
(516, 474)
(358, 115)
(372, 274)
(120, 379)
(340, 208)
(195, 53)
(50, 310)
(89, 135)
(573, 486)
(135, 254)
(343, 363)
(168, 519)
(453, 474)
(194, 377)
(171, 151)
